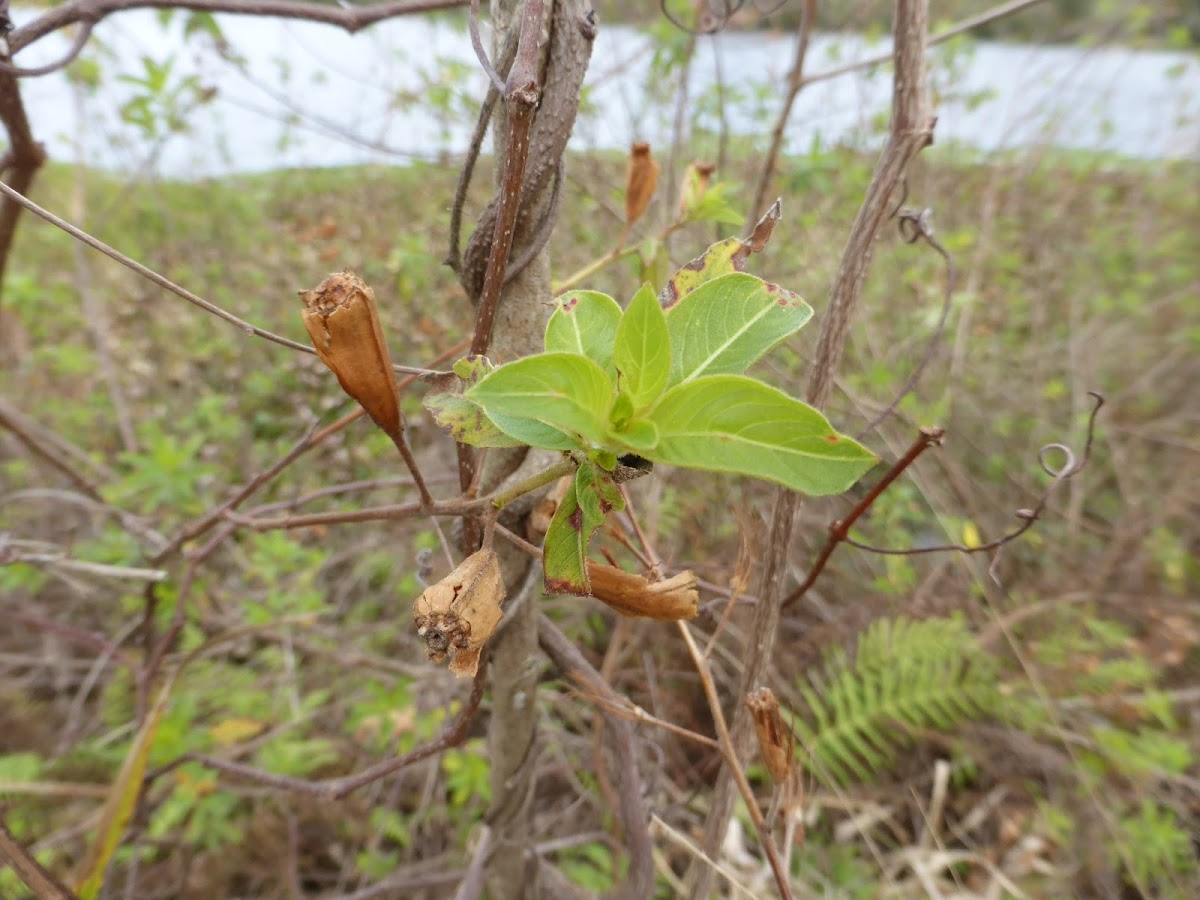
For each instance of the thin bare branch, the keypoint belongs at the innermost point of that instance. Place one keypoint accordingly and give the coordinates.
(808, 17)
(336, 788)
(729, 752)
(1003, 11)
(36, 877)
(81, 39)
(1070, 466)
(639, 878)
(916, 226)
(350, 17)
(911, 130)
(150, 274)
(839, 531)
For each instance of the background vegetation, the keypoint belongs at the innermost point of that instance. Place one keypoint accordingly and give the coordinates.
(1029, 734)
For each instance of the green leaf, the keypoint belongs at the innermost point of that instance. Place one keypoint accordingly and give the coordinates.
(727, 324)
(592, 496)
(714, 206)
(654, 262)
(465, 419)
(585, 322)
(638, 434)
(729, 423)
(642, 352)
(557, 401)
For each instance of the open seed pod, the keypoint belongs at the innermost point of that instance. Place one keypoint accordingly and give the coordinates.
(343, 322)
(456, 616)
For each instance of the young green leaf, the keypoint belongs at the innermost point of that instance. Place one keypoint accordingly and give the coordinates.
(730, 423)
(642, 352)
(593, 494)
(584, 322)
(639, 435)
(728, 323)
(464, 419)
(542, 399)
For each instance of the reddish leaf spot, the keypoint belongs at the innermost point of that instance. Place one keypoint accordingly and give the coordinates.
(569, 305)
(576, 519)
(832, 438)
(564, 586)
(670, 295)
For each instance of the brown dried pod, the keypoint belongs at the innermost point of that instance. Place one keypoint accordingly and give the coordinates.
(641, 178)
(632, 595)
(343, 321)
(776, 742)
(457, 615)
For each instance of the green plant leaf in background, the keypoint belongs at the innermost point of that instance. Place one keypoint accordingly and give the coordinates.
(593, 494)
(465, 419)
(584, 322)
(729, 423)
(728, 323)
(906, 675)
(122, 799)
(642, 352)
(543, 399)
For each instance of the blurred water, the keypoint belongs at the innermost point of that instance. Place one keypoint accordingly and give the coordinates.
(310, 95)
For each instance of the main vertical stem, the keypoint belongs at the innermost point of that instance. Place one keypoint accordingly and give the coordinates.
(911, 130)
(516, 331)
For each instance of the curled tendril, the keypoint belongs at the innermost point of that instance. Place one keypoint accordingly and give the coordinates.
(714, 15)
(1071, 465)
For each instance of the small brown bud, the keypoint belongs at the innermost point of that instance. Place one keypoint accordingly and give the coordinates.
(456, 616)
(696, 179)
(776, 742)
(641, 179)
(632, 595)
(343, 322)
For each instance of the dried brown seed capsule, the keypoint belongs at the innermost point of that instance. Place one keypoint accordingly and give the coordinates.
(641, 178)
(776, 742)
(456, 616)
(343, 321)
(632, 595)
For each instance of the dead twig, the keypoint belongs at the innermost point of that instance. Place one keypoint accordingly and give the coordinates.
(840, 531)
(911, 131)
(36, 877)
(639, 879)
(1071, 466)
(916, 226)
(729, 753)
(337, 788)
(808, 16)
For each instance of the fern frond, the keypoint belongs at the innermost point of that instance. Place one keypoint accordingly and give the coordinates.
(905, 675)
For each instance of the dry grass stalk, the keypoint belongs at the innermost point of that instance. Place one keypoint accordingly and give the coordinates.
(457, 615)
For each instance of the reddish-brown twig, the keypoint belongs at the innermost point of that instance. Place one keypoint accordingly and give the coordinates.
(839, 531)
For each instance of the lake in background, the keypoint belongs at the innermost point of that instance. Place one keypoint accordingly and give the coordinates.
(304, 94)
